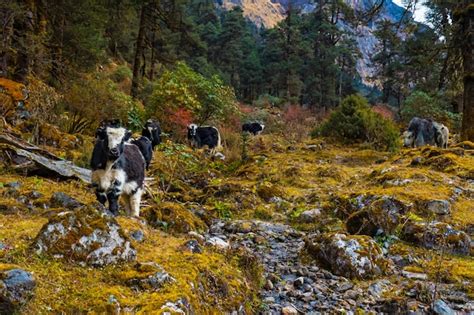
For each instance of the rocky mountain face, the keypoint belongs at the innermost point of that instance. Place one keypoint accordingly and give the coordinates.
(268, 13)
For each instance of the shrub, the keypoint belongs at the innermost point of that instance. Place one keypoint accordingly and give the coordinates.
(206, 99)
(93, 98)
(121, 73)
(354, 121)
(267, 100)
(420, 104)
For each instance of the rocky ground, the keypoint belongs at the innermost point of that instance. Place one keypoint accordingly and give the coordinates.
(297, 228)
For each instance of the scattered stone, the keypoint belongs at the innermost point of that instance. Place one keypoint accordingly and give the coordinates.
(192, 246)
(138, 235)
(85, 236)
(350, 256)
(345, 286)
(289, 310)
(268, 285)
(16, 289)
(35, 195)
(14, 185)
(62, 200)
(414, 275)
(441, 308)
(152, 282)
(217, 242)
(310, 216)
(440, 207)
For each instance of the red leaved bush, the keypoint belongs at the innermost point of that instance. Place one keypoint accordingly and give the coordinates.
(385, 111)
(177, 121)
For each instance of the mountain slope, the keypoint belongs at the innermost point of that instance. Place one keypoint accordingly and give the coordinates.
(268, 13)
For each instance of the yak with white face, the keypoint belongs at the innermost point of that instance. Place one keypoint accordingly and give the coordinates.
(254, 128)
(425, 132)
(118, 169)
(200, 136)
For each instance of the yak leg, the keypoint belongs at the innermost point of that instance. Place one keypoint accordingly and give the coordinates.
(135, 202)
(419, 141)
(126, 199)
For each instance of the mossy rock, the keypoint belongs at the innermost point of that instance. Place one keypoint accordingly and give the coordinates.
(352, 256)
(437, 235)
(380, 214)
(174, 217)
(267, 191)
(84, 236)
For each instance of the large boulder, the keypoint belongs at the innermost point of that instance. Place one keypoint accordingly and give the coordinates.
(85, 236)
(437, 235)
(16, 288)
(352, 256)
(372, 215)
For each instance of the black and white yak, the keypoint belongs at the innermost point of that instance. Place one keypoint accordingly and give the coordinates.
(422, 132)
(200, 136)
(118, 169)
(152, 131)
(254, 128)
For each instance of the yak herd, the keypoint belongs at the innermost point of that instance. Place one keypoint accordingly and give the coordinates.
(119, 161)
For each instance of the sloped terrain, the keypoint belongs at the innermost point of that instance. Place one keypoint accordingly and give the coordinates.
(310, 226)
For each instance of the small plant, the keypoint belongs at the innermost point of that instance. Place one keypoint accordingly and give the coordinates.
(223, 210)
(135, 118)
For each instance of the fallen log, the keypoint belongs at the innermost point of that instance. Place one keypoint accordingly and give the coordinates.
(43, 161)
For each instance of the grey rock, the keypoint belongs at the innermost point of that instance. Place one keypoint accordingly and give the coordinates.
(14, 185)
(35, 195)
(441, 308)
(16, 288)
(62, 200)
(350, 256)
(345, 286)
(310, 216)
(193, 247)
(85, 236)
(414, 275)
(138, 235)
(441, 207)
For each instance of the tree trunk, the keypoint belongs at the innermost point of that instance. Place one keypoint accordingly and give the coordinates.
(467, 30)
(139, 51)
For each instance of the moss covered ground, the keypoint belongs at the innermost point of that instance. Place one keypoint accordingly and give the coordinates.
(279, 181)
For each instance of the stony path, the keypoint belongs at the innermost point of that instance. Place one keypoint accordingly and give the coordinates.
(291, 287)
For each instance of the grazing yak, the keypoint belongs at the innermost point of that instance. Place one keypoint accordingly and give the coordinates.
(423, 131)
(118, 168)
(200, 136)
(254, 128)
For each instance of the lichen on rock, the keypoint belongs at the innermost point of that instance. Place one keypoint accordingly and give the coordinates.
(85, 236)
(437, 235)
(351, 256)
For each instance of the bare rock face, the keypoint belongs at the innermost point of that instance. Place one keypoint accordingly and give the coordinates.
(437, 235)
(352, 256)
(85, 236)
(16, 288)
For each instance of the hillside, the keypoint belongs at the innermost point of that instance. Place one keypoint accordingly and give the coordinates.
(257, 236)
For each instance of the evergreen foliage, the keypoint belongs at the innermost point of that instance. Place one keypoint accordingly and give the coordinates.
(354, 121)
